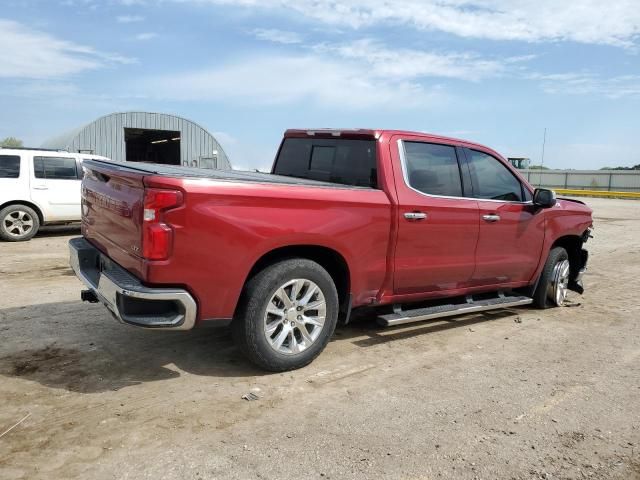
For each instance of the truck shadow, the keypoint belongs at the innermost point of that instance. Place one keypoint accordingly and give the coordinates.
(59, 230)
(363, 324)
(80, 348)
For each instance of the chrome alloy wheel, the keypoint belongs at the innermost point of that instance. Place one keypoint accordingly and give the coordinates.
(294, 316)
(17, 223)
(559, 282)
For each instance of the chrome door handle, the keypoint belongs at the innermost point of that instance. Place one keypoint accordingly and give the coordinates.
(491, 218)
(40, 187)
(415, 215)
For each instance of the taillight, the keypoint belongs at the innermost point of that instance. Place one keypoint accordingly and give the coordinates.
(157, 236)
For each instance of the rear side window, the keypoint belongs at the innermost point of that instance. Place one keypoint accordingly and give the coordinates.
(492, 179)
(433, 169)
(9, 166)
(55, 168)
(344, 161)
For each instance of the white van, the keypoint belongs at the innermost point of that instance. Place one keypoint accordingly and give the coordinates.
(38, 187)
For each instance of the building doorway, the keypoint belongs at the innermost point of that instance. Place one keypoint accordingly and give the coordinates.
(152, 146)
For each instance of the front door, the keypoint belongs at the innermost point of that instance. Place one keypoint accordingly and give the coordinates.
(438, 227)
(55, 186)
(511, 228)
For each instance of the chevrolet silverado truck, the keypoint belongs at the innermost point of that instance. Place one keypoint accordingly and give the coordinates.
(417, 225)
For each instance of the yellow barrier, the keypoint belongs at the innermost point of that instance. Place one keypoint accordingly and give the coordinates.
(597, 193)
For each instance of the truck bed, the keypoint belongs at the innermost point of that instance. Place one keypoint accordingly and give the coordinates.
(223, 226)
(224, 175)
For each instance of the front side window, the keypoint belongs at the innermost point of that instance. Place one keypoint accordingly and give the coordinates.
(491, 179)
(9, 166)
(433, 169)
(55, 168)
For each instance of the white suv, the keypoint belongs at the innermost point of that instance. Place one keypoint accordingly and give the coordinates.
(38, 187)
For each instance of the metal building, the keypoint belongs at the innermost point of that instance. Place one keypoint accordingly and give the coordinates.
(145, 137)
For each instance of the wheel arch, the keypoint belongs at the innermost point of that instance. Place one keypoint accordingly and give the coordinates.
(27, 203)
(573, 245)
(329, 259)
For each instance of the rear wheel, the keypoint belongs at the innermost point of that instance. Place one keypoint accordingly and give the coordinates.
(287, 315)
(554, 280)
(18, 223)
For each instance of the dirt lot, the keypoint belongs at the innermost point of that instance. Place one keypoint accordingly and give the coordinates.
(514, 394)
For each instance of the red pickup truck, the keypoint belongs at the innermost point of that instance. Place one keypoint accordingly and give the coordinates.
(418, 225)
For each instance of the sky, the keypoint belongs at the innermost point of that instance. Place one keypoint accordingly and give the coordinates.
(497, 72)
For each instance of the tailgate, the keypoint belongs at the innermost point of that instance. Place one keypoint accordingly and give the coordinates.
(112, 205)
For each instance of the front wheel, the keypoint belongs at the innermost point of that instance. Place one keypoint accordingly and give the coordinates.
(554, 280)
(287, 315)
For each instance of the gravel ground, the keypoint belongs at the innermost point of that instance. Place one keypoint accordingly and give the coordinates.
(514, 394)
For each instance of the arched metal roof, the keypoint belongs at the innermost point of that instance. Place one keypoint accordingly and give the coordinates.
(105, 136)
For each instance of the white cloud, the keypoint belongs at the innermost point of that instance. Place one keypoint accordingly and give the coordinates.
(411, 64)
(363, 74)
(277, 36)
(129, 18)
(282, 79)
(47, 98)
(589, 21)
(586, 83)
(146, 36)
(28, 53)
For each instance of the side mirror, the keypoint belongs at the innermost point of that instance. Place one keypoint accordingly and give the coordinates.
(544, 198)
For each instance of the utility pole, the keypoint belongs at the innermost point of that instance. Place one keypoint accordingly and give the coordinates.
(544, 141)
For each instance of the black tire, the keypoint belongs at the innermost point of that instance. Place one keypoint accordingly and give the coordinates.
(14, 232)
(541, 297)
(248, 326)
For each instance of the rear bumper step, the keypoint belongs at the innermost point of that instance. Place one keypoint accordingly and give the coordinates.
(125, 296)
(400, 317)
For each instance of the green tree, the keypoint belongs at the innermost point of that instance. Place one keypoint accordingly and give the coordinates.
(11, 142)
(635, 167)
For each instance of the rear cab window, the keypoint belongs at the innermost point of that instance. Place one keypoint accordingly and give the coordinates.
(340, 160)
(9, 166)
(55, 168)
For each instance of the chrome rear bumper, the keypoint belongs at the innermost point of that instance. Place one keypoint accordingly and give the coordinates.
(125, 296)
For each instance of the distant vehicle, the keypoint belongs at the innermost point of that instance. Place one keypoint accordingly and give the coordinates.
(418, 225)
(521, 163)
(38, 187)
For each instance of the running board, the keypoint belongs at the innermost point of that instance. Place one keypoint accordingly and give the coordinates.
(399, 317)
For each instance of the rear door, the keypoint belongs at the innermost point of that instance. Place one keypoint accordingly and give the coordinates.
(14, 178)
(56, 186)
(438, 226)
(511, 228)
